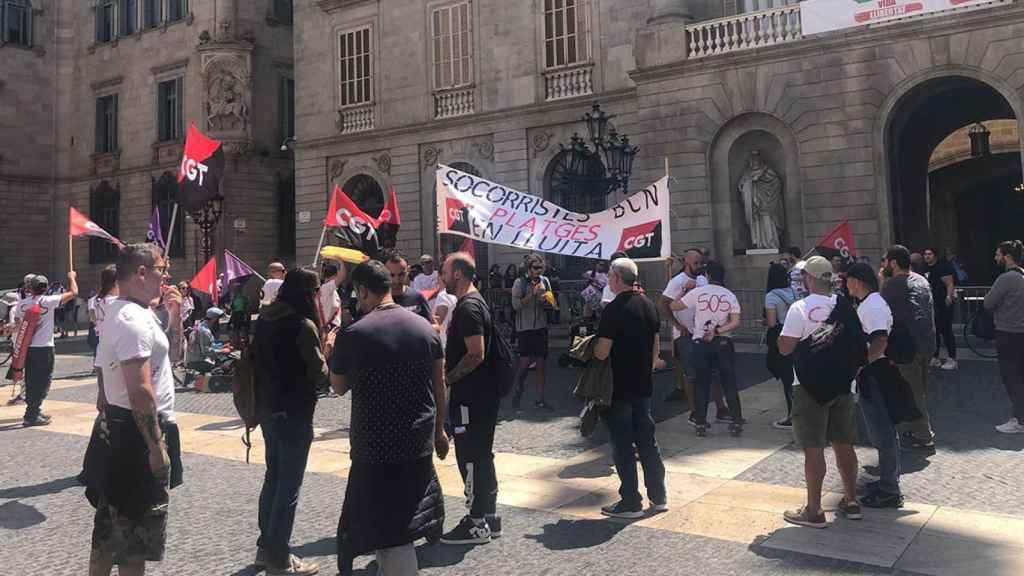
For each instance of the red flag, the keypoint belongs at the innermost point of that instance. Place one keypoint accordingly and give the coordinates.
(342, 210)
(79, 225)
(468, 247)
(201, 170)
(390, 213)
(839, 242)
(205, 280)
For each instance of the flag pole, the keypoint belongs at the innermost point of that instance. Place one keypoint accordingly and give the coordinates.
(170, 232)
(316, 258)
(71, 254)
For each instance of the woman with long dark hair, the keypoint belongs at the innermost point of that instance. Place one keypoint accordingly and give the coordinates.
(290, 369)
(779, 296)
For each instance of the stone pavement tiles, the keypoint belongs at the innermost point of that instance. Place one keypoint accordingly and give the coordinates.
(709, 504)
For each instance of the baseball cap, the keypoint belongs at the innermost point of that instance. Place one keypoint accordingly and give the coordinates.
(214, 313)
(863, 272)
(426, 258)
(818, 267)
(28, 279)
(40, 280)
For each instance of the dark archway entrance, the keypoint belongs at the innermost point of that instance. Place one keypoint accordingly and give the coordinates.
(921, 120)
(366, 192)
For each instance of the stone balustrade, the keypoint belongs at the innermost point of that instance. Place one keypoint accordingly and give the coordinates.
(569, 82)
(454, 102)
(743, 32)
(357, 119)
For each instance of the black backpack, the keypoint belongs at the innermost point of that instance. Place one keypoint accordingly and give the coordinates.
(828, 361)
(502, 362)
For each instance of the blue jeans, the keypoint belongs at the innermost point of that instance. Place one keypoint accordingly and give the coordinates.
(883, 435)
(287, 449)
(630, 424)
(720, 353)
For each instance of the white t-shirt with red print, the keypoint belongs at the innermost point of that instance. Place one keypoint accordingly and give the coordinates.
(713, 305)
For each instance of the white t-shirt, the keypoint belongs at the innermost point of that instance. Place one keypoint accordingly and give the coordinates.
(449, 301)
(270, 288)
(43, 336)
(425, 282)
(330, 302)
(712, 304)
(875, 314)
(805, 316)
(675, 288)
(132, 332)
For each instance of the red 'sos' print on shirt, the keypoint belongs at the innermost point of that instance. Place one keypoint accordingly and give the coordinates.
(713, 303)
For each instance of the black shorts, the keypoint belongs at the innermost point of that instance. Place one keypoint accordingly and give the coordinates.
(533, 343)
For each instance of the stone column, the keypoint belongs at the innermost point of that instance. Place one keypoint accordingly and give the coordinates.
(663, 39)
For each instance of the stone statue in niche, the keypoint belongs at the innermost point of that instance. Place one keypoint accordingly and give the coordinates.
(225, 108)
(761, 190)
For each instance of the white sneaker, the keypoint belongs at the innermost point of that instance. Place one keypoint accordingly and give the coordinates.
(949, 364)
(1013, 426)
(936, 362)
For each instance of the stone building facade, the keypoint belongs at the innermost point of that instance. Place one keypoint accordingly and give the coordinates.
(93, 112)
(848, 120)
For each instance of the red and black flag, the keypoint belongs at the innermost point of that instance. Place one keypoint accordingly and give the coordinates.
(201, 170)
(357, 229)
(839, 242)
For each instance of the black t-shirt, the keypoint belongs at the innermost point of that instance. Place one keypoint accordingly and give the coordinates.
(387, 359)
(941, 269)
(630, 321)
(414, 302)
(471, 317)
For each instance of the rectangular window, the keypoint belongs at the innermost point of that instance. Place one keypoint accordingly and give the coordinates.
(151, 14)
(176, 10)
(106, 124)
(452, 49)
(566, 32)
(106, 21)
(17, 24)
(128, 13)
(356, 54)
(283, 11)
(169, 97)
(287, 108)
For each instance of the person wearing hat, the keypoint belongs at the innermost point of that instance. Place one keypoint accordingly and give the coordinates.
(200, 347)
(823, 409)
(876, 321)
(39, 362)
(428, 280)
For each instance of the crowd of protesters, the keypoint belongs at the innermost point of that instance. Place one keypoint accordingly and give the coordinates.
(415, 347)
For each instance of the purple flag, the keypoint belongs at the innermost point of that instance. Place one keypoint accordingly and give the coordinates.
(155, 233)
(234, 268)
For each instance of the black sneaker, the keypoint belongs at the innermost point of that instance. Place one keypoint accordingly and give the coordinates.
(912, 443)
(879, 499)
(622, 510)
(494, 523)
(468, 532)
(39, 420)
(693, 421)
(723, 417)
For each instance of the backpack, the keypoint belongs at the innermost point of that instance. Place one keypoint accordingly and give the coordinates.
(828, 361)
(243, 393)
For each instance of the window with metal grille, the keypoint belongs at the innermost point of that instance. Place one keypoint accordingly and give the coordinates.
(164, 191)
(355, 54)
(106, 124)
(453, 45)
(104, 210)
(566, 32)
(16, 22)
(169, 96)
(151, 14)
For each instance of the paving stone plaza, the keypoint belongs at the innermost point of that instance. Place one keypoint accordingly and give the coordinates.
(726, 494)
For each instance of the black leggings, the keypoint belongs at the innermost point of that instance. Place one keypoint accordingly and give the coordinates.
(944, 329)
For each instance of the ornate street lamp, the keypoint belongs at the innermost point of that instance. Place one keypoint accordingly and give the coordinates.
(206, 218)
(979, 134)
(618, 155)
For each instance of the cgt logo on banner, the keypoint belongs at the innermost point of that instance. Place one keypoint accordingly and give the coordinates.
(472, 207)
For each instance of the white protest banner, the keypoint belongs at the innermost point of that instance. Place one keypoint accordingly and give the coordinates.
(472, 207)
(818, 16)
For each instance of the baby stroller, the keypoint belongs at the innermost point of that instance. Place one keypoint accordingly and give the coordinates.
(218, 369)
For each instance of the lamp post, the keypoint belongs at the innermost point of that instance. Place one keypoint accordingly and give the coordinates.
(617, 153)
(979, 136)
(206, 218)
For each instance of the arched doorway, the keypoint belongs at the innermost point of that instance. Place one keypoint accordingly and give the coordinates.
(366, 192)
(581, 193)
(957, 208)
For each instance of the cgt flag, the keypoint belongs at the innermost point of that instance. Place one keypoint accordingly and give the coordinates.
(839, 242)
(201, 170)
(79, 225)
(359, 230)
(205, 280)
